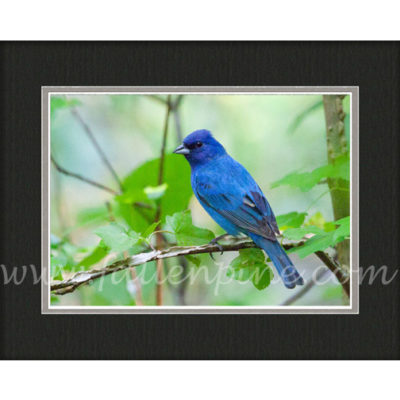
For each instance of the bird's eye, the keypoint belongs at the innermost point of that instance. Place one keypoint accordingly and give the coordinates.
(199, 144)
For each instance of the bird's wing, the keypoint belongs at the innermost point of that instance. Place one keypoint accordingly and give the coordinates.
(235, 195)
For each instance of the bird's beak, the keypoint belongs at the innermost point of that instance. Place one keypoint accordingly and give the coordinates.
(182, 150)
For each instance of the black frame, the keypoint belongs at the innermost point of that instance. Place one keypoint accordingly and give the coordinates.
(25, 67)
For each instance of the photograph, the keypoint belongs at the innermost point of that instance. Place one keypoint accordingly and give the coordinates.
(199, 200)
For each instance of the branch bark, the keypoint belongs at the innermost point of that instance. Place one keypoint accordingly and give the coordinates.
(83, 277)
(337, 146)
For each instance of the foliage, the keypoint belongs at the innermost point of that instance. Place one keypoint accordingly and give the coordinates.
(173, 195)
(250, 265)
(307, 180)
(117, 238)
(61, 102)
(320, 239)
(291, 220)
(185, 232)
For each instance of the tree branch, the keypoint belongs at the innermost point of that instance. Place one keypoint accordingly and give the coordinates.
(181, 289)
(340, 273)
(83, 277)
(177, 119)
(82, 178)
(163, 146)
(337, 146)
(93, 139)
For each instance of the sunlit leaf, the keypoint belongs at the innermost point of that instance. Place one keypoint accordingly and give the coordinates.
(116, 237)
(323, 240)
(299, 233)
(93, 258)
(176, 197)
(290, 220)
(60, 102)
(185, 232)
(56, 266)
(150, 229)
(155, 192)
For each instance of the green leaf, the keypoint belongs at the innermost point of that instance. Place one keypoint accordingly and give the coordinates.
(193, 259)
(92, 214)
(290, 220)
(110, 290)
(323, 240)
(155, 192)
(343, 230)
(59, 102)
(307, 180)
(299, 233)
(186, 233)
(94, 257)
(316, 243)
(116, 237)
(56, 266)
(316, 220)
(54, 299)
(334, 292)
(150, 229)
(319, 221)
(176, 196)
(63, 253)
(251, 265)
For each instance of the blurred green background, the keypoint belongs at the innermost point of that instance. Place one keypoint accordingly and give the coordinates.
(271, 135)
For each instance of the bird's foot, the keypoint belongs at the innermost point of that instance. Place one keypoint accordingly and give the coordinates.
(215, 243)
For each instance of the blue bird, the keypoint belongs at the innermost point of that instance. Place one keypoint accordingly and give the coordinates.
(234, 200)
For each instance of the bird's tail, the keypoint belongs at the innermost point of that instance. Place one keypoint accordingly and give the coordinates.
(289, 274)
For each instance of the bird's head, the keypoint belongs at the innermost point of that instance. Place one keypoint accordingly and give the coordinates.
(200, 147)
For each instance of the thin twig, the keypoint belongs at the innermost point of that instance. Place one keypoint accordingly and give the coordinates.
(159, 238)
(159, 99)
(163, 145)
(181, 289)
(110, 212)
(340, 274)
(177, 120)
(82, 178)
(142, 205)
(59, 204)
(177, 102)
(93, 139)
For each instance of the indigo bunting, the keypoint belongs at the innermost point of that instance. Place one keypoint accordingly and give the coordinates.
(234, 200)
